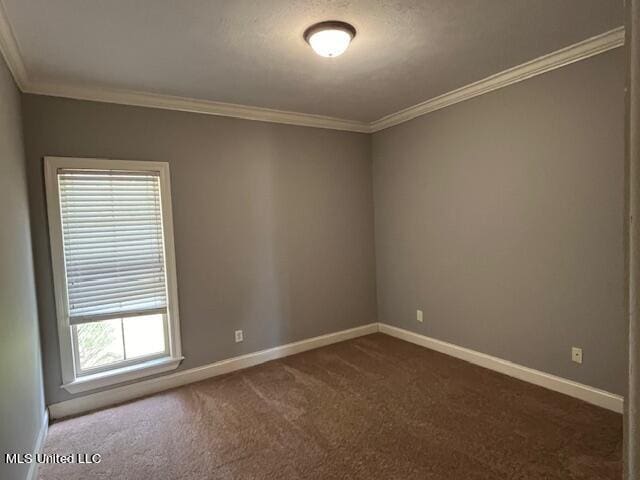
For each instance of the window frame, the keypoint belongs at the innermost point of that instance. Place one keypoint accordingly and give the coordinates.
(72, 380)
(82, 373)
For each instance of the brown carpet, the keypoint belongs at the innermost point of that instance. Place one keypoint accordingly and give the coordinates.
(370, 408)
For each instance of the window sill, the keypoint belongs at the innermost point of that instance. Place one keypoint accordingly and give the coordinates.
(120, 375)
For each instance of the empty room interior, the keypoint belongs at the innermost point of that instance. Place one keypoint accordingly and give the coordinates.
(312, 239)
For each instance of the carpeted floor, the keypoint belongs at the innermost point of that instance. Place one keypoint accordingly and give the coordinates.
(370, 408)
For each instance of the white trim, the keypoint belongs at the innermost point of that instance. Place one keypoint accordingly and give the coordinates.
(58, 269)
(565, 56)
(70, 382)
(583, 392)
(154, 385)
(121, 375)
(175, 342)
(546, 63)
(38, 447)
(193, 105)
(10, 50)
(124, 393)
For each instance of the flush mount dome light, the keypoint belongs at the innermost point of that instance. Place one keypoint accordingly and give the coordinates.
(330, 39)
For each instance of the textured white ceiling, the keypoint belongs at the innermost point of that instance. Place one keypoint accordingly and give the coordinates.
(252, 52)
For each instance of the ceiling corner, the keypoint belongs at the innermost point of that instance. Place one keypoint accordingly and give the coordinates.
(11, 52)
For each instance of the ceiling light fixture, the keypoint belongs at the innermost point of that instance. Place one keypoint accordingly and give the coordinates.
(330, 39)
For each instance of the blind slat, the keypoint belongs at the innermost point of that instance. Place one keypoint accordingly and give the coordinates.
(98, 234)
(104, 242)
(86, 299)
(107, 267)
(113, 243)
(114, 259)
(141, 278)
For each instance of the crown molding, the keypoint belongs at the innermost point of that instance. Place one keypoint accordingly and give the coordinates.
(565, 56)
(10, 50)
(573, 53)
(183, 104)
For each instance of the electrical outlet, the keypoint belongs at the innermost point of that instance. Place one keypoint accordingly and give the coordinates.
(419, 315)
(239, 336)
(576, 354)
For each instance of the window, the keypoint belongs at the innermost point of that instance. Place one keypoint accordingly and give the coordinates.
(114, 269)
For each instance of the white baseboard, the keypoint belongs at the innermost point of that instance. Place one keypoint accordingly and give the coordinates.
(586, 393)
(32, 473)
(124, 393)
(146, 387)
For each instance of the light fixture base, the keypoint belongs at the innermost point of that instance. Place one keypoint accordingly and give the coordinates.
(330, 38)
(329, 25)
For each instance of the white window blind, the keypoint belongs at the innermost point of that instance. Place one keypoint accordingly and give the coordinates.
(113, 244)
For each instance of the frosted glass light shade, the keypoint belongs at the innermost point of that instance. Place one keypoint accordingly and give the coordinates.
(330, 39)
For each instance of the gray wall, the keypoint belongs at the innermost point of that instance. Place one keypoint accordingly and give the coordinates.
(502, 218)
(273, 223)
(21, 397)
